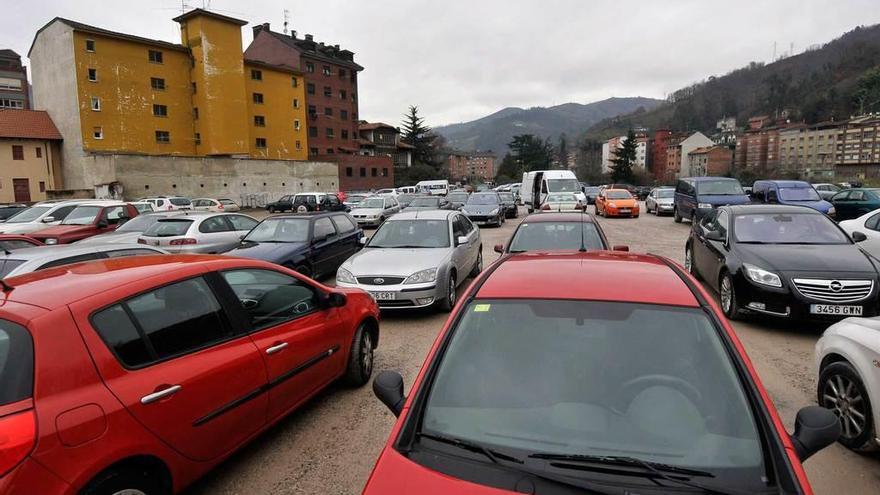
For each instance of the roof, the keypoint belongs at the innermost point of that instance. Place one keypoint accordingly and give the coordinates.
(769, 209)
(6, 52)
(307, 214)
(568, 276)
(268, 66)
(405, 146)
(421, 215)
(313, 49)
(27, 124)
(78, 26)
(369, 126)
(208, 13)
(559, 217)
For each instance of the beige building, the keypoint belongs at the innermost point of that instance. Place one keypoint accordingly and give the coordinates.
(30, 156)
(857, 148)
(807, 151)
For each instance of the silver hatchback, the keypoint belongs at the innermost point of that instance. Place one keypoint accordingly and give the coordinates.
(204, 233)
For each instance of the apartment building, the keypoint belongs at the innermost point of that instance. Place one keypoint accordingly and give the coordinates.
(710, 161)
(857, 148)
(14, 91)
(376, 138)
(807, 151)
(465, 165)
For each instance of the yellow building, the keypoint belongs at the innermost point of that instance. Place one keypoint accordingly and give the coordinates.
(30, 155)
(275, 108)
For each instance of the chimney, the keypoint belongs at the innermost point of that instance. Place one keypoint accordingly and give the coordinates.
(261, 27)
(309, 37)
(336, 47)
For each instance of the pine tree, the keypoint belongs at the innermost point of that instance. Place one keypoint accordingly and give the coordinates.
(624, 158)
(418, 135)
(562, 151)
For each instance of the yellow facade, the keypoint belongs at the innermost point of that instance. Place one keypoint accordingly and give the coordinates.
(123, 86)
(278, 124)
(32, 169)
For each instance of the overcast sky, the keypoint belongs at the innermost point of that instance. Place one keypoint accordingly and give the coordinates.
(463, 59)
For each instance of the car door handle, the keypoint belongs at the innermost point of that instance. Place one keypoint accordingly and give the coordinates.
(166, 392)
(277, 348)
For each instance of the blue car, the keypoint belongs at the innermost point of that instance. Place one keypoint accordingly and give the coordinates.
(314, 244)
(790, 192)
(694, 196)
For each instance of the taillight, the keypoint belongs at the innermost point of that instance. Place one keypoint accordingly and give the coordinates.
(183, 242)
(545, 207)
(141, 241)
(220, 206)
(18, 432)
(169, 207)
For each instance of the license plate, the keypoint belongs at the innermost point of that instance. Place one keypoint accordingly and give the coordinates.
(624, 210)
(384, 296)
(831, 309)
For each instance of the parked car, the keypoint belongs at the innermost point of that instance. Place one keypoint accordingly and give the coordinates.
(130, 231)
(851, 203)
(790, 192)
(867, 225)
(12, 242)
(827, 190)
(8, 210)
(86, 220)
(660, 200)
(306, 202)
(169, 202)
(591, 193)
(542, 383)
(405, 199)
(458, 199)
(39, 216)
(138, 375)
(560, 202)
(695, 196)
(428, 203)
(484, 208)
(221, 205)
(617, 203)
(782, 261)
(352, 200)
(31, 259)
(314, 244)
(371, 212)
(846, 358)
(508, 200)
(201, 232)
(416, 259)
(557, 232)
(641, 192)
(144, 206)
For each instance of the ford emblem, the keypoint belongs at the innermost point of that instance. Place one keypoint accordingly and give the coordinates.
(835, 286)
(380, 281)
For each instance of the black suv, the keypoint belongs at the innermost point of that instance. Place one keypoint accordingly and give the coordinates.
(306, 202)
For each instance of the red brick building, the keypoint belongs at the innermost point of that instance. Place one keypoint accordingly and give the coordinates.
(657, 160)
(711, 161)
(464, 165)
(365, 173)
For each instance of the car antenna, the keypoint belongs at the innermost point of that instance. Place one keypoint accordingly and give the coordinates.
(583, 243)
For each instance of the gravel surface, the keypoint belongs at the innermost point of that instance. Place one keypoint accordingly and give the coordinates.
(330, 445)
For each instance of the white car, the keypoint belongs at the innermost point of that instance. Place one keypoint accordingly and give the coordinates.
(29, 260)
(169, 203)
(220, 205)
(39, 216)
(848, 358)
(868, 224)
(372, 211)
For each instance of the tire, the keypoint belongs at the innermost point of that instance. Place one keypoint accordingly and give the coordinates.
(731, 308)
(304, 270)
(478, 266)
(675, 216)
(130, 480)
(689, 262)
(853, 398)
(647, 208)
(271, 209)
(359, 368)
(448, 302)
(598, 213)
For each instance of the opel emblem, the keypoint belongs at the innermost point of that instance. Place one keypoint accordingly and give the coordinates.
(835, 286)
(380, 281)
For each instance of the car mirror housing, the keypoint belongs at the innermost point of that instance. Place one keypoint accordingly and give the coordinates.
(103, 224)
(814, 429)
(388, 388)
(859, 236)
(334, 300)
(460, 240)
(362, 241)
(714, 235)
(48, 219)
(499, 248)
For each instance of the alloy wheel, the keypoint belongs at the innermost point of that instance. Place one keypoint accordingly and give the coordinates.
(688, 261)
(726, 294)
(841, 395)
(367, 354)
(451, 296)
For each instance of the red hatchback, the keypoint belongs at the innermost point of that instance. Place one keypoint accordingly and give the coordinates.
(86, 220)
(547, 380)
(138, 375)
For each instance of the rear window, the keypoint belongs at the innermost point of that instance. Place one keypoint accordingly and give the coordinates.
(168, 228)
(180, 201)
(16, 363)
(7, 265)
(226, 201)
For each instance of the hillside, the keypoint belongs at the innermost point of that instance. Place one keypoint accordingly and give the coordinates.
(494, 131)
(814, 86)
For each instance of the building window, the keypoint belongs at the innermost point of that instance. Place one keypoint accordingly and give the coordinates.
(296, 103)
(96, 104)
(98, 133)
(294, 83)
(313, 131)
(8, 103)
(259, 121)
(313, 151)
(310, 88)
(155, 56)
(363, 172)
(295, 124)
(93, 74)
(349, 172)
(313, 110)
(158, 83)
(163, 137)
(17, 152)
(261, 143)
(328, 91)
(310, 67)
(160, 110)
(342, 94)
(198, 138)
(326, 70)
(193, 88)
(384, 172)
(39, 152)
(344, 133)
(343, 114)
(329, 151)
(341, 73)
(42, 186)
(354, 96)
(298, 144)
(329, 132)
(90, 45)
(195, 113)
(328, 111)
(256, 75)
(258, 98)
(374, 172)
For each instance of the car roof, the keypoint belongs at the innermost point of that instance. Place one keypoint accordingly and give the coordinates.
(707, 178)
(421, 215)
(544, 275)
(200, 215)
(307, 214)
(758, 208)
(103, 203)
(63, 250)
(786, 183)
(616, 190)
(559, 217)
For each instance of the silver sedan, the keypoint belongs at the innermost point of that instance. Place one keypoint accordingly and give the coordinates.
(372, 211)
(204, 233)
(660, 200)
(416, 259)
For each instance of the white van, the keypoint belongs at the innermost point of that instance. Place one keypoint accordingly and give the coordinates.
(434, 187)
(538, 183)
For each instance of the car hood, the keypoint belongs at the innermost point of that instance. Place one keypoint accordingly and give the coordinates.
(479, 209)
(268, 251)
(622, 202)
(800, 259)
(397, 261)
(395, 473)
(821, 205)
(112, 238)
(724, 199)
(62, 230)
(366, 211)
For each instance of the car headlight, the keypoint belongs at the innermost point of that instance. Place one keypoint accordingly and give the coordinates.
(345, 276)
(762, 276)
(704, 205)
(831, 211)
(51, 241)
(494, 212)
(422, 277)
(612, 204)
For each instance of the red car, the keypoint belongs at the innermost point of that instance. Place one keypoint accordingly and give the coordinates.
(547, 380)
(11, 242)
(137, 375)
(86, 220)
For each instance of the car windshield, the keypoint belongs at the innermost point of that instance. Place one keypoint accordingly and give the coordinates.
(506, 196)
(355, 199)
(411, 234)
(619, 195)
(615, 379)
(787, 228)
(372, 203)
(431, 202)
(798, 194)
(280, 230)
(180, 201)
(591, 190)
(458, 197)
(82, 215)
(168, 227)
(139, 223)
(7, 265)
(550, 236)
(664, 193)
(483, 199)
(28, 215)
(405, 198)
(563, 185)
(720, 187)
(561, 197)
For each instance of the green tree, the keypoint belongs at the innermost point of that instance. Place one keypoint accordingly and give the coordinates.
(562, 151)
(867, 94)
(419, 135)
(531, 152)
(624, 158)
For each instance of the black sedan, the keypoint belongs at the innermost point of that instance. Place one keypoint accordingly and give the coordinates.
(784, 261)
(314, 244)
(509, 202)
(485, 208)
(428, 203)
(591, 192)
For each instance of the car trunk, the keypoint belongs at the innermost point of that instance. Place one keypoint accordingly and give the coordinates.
(168, 232)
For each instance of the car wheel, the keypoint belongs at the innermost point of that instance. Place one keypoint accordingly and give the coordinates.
(126, 481)
(448, 302)
(598, 213)
(478, 266)
(689, 262)
(841, 390)
(727, 292)
(304, 270)
(675, 215)
(302, 209)
(271, 209)
(360, 358)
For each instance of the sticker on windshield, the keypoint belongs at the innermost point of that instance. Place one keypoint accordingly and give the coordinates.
(482, 308)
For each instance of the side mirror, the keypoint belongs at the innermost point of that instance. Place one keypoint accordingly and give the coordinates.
(814, 429)
(620, 247)
(362, 241)
(334, 300)
(499, 248)
(388, 388)
(460, 240)
(714, 235)
(859, 236)
(48, 219)
(103, 224)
